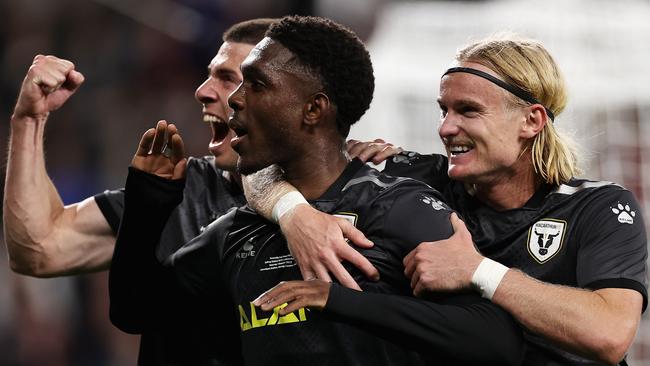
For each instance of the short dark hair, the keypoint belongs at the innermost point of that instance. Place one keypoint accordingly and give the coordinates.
(338, 55)
(249, 31)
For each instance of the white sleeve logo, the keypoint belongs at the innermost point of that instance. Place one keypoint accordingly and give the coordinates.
(436, 204)
(624, 214)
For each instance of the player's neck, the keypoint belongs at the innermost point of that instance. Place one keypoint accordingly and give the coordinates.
(509, 193)
(314, 173)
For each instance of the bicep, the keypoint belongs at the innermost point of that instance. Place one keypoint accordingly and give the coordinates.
(81, 241)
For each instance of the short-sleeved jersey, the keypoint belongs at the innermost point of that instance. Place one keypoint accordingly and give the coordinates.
(207, 196)
(249, 255)
(583, 233)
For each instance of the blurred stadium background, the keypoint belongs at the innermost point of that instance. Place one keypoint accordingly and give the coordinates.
(143, 59)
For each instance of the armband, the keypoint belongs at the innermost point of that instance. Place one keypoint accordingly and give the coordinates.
(488, 276)
(286, 203)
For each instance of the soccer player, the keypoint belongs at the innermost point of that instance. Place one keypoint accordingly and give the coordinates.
(567, 255)
(303, 86)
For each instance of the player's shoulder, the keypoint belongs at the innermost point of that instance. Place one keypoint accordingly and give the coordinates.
(577, 188)
(202, 165)
(368, 178)
(593, 196)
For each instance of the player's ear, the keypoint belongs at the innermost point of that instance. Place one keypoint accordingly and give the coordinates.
(534, 122)
(316, 108)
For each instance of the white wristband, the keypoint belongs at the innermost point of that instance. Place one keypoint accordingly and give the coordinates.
(286, 203)
(488, 276)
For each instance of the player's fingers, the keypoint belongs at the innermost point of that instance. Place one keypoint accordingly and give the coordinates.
(47, 82)
(179, 169)
(145, 142)
(350, 143)
(321, 273)
(349, 254)
(279, 294)
(343, 276)
(459, 226)
(409, 263)
(418, 289)
(355, 149)
(370, 151)
(177, 146)
(415, 278)
(354, 235)
(386, 153)
(159, 141)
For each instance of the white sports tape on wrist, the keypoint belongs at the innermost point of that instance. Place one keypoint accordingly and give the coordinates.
(488, 276)
(286, 203)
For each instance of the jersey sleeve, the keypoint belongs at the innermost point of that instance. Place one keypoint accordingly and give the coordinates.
(111, 204)
(416, 215)
(464, 328)
(613, 243)
(197, 265)
(137, 281)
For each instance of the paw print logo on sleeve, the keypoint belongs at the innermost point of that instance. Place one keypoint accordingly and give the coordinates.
(624, 214)
(434, 203)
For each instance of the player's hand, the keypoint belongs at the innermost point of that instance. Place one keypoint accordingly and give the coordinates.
(296, 294)
(376, 151)
(161, 152)
(444, 265)
(49, 82)
(317, 242)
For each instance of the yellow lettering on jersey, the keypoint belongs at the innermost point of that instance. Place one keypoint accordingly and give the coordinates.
(244, 323)
(274, 319)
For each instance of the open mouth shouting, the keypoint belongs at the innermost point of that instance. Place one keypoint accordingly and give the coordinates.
(239, 131)
(221, 133)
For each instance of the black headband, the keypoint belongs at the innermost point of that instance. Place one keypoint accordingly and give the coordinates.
(514, 89)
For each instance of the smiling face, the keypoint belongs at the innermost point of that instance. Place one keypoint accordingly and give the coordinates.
(223, 78)
(268, 107)
(481, 133)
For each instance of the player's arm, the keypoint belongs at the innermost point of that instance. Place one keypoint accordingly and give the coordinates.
(445, 327)
(316, 240)
(599, 324)
(140, 288)
(45, 238)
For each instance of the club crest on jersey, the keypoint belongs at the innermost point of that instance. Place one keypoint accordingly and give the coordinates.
(545, 239)
(349, 216)
(624, 214)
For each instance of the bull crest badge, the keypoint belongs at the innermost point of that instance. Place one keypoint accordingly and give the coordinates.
(545, 239)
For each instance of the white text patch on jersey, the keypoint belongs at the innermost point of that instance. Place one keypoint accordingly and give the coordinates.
(545, 239)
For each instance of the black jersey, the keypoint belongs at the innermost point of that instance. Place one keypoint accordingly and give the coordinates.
(208, 195)
(583, 233)
(242, 255)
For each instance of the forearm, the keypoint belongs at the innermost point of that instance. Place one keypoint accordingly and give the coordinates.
(438, 329)
(265, 188)
(43, 237)
(139, 285)
(597, 324)
(32, 205)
